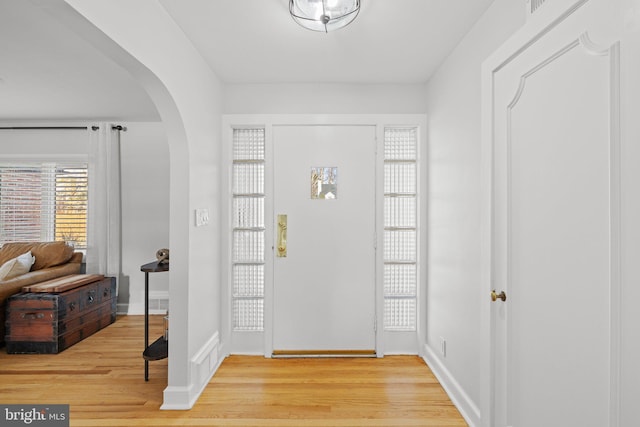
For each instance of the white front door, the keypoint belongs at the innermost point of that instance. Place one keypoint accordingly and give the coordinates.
(556, 219)
(324, 288)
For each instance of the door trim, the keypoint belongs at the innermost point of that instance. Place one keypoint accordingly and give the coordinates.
(262, 342)
(555, 14)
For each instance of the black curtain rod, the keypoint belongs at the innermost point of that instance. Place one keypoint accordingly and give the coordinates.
(116, 127)
(42, 127)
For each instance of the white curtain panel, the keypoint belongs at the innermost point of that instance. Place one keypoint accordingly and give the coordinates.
(104, 216)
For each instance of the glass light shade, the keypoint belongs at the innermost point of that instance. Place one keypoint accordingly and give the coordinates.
(324, 15)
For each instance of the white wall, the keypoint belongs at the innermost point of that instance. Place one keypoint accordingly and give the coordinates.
(144, 39)
(145, 212)
(454, 294)
(323, 98)
(16, 144)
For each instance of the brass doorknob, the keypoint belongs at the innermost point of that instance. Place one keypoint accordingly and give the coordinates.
(495, 296)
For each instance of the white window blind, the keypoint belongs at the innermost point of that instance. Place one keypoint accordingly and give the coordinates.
(44, 202)
(400, 228)
(248, 229)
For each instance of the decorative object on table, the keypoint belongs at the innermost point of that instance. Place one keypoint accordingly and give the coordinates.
(163, 256)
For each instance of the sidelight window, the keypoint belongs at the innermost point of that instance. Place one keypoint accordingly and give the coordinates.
(248, 230)
(400, 228)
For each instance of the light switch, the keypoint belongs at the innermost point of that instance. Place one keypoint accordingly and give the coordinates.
(202, 217)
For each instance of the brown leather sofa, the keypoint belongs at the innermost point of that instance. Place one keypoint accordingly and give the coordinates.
(52, 260)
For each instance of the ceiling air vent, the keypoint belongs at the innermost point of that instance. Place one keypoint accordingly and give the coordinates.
(535, 4)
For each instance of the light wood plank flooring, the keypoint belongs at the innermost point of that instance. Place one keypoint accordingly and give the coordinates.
(102, 378)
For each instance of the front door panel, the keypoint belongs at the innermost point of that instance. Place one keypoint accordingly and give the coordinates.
(324, 263)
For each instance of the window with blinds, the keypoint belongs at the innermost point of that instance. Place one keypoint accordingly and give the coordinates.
(400, 228)
(248, 245)
(44, 202)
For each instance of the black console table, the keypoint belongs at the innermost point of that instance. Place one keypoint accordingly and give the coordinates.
(159, 349)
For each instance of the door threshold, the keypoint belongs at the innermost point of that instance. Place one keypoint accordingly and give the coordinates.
(282, 354)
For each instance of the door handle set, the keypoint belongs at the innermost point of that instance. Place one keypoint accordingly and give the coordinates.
(281, 245)
(494, 296)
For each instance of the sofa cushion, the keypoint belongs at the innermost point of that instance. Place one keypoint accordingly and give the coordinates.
(16, 266)
(15, 285)
(48, 254)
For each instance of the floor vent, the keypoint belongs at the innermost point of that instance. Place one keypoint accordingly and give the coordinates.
(158, 305)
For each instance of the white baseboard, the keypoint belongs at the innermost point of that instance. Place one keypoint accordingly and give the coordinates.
(467, 407)
(203, 366)
(122, 309)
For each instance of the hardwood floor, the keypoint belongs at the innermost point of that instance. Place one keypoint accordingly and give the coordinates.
(102, 378)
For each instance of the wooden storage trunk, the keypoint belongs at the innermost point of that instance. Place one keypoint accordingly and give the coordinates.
(44, 322)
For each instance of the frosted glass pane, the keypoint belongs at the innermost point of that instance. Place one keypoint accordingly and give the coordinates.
(248, 314)
(248, 246)
(248, 280)
(248, 212)
(400, 143)
(248, 178)
(248, 144)
(400, 212)
(400, 245)
(400, 280)
(400, 314)
(400, 178)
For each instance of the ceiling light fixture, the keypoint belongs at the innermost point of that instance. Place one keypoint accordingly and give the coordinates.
(324, 15)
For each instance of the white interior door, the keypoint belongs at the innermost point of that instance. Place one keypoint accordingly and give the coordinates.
(555, 217)
(324, 288)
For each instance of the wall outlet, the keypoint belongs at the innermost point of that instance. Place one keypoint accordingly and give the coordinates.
(443, 347)
(202, 217)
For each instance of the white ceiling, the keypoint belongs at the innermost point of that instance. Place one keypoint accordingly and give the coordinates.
(391, 41)
(48, 72)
